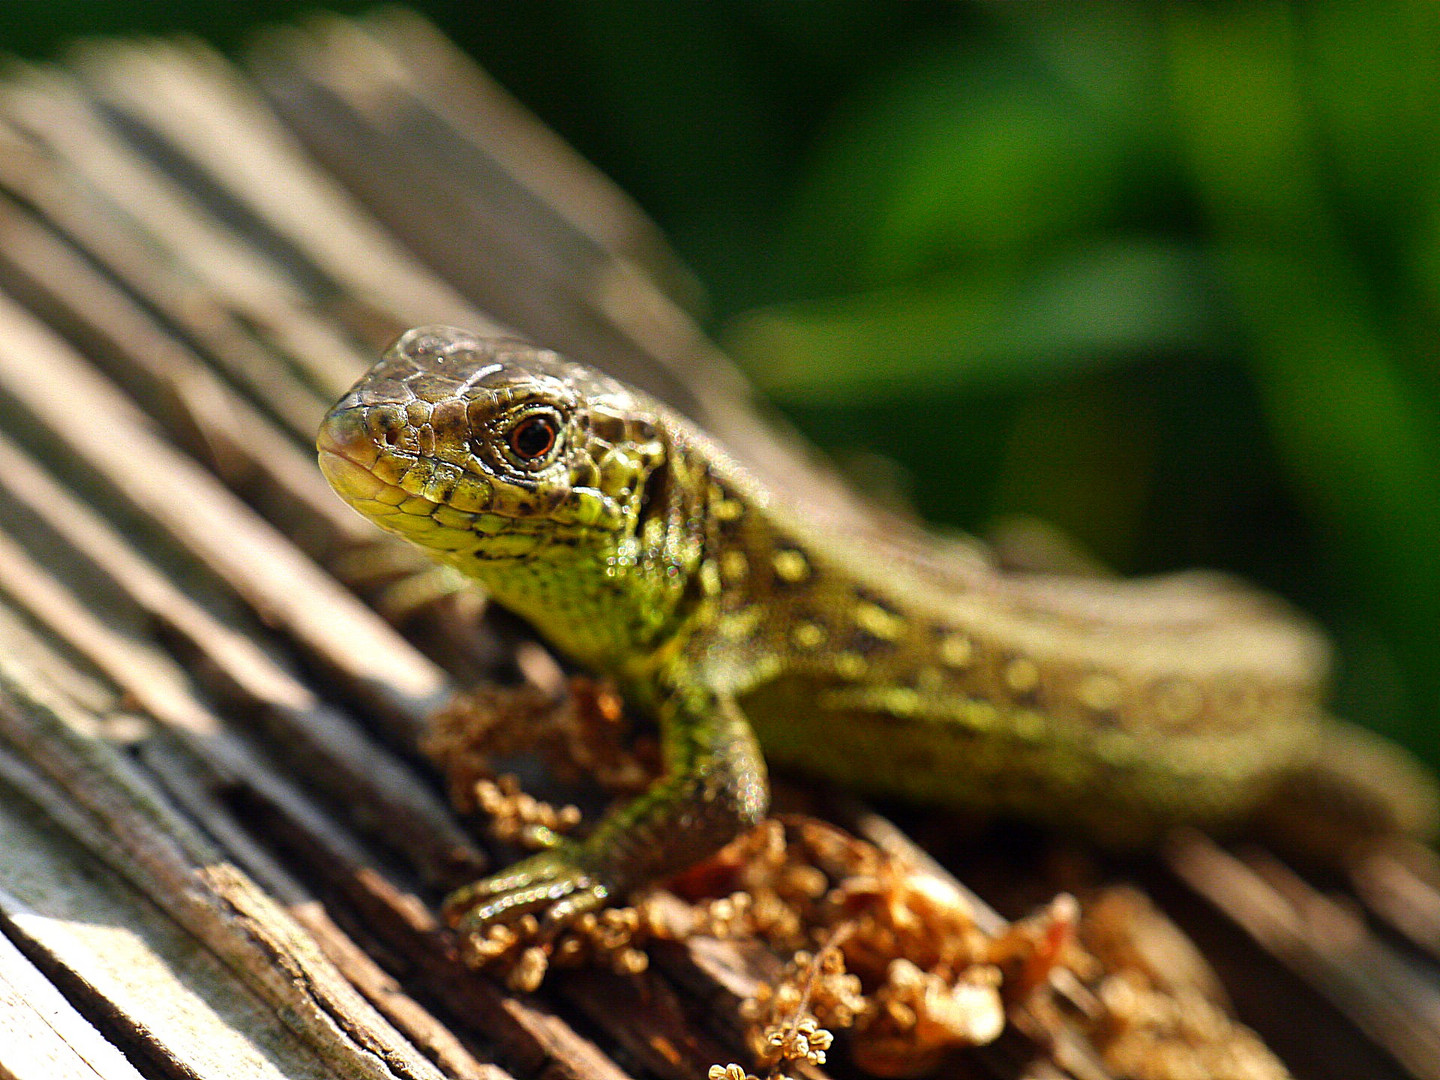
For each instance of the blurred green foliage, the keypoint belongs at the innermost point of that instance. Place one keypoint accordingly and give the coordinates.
(1166, 275)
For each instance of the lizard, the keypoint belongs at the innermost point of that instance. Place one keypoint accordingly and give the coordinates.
(641, 550)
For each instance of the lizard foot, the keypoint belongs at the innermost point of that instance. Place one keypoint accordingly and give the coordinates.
(555, 886)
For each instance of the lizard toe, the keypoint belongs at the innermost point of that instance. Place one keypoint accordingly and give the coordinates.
(562, 913)
(551, 885)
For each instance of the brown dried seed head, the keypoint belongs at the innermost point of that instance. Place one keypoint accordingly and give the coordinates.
(529, 973)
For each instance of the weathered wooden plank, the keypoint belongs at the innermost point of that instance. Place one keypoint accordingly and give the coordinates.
(381, 791)
(182, 782)
(1402, 887)
(1325, 945)
(144, 838)
(190, 100)
(51, 109)
(42, 1036)
(206, 520)
(529, 1033)
(199, 410)
(123, 959)
(110, 230)
(482, 112)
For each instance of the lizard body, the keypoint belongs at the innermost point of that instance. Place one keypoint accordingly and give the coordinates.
(637, 547)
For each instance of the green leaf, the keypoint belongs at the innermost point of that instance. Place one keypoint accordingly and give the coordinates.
(1099, 306)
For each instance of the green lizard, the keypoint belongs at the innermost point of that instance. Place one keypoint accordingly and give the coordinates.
(635, 546)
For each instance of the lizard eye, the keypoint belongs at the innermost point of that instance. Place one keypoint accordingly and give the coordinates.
(535, 436)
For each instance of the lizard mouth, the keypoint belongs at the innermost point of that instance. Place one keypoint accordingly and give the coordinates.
(353, 481)
(450, 515)
(387, 505)
(348, 458)
(353, 463)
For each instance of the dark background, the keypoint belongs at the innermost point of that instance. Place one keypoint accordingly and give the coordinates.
(1164, 275)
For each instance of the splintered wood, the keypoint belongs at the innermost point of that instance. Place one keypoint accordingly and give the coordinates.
(221, 852)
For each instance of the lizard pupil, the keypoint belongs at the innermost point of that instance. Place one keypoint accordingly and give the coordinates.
(533, 437)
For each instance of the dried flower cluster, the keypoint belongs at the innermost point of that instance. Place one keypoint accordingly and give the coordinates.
(582, 734)
(1162, 1013)
(609, 938)
(901, 962)
(880, 949)
(887, 951)
(1150, 1034)
(518, 818)
(786, 1020)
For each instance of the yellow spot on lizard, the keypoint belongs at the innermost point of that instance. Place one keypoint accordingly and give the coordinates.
(790, 566)
(875, 620)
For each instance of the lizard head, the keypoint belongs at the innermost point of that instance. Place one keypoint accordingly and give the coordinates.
(533, 474)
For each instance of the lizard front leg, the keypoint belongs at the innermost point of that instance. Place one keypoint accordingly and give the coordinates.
(713, 788)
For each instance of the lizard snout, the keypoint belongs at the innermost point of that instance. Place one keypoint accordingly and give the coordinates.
(355, 441)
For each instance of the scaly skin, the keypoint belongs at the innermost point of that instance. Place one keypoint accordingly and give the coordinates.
(637, 547)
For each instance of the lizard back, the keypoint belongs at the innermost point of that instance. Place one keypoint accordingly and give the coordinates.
(914, 667)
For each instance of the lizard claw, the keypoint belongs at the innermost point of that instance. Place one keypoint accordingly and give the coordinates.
(554, 886)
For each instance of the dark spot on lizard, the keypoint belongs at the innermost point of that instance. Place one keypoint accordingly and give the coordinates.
(609, 428)
(654, 497)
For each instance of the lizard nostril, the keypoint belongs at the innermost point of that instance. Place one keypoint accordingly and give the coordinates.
(387, 426)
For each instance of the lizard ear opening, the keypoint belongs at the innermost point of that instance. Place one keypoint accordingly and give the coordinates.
(654, 497)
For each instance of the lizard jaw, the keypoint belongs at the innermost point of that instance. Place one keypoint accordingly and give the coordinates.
(433, 504)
